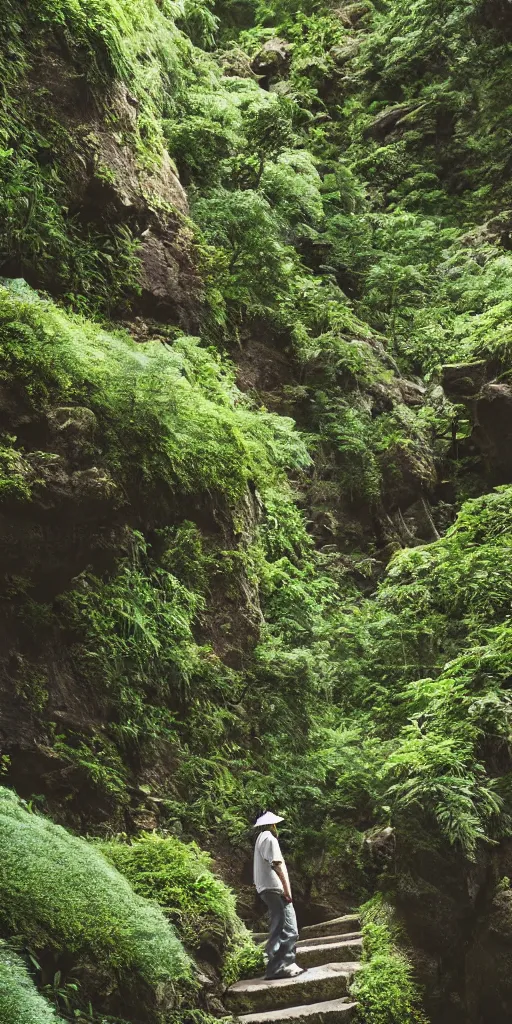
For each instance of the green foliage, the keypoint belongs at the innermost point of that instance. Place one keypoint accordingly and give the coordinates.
(199, 22)
(20, 1002)
(503, 884)
(269, 131)
(336, 216)
(253, 262)
(384, 988)
(195, 1017)
(204, 435)
(58, 893)
(14, 472)
(136, 637)
(292, 185)
(97, 759)
(178, 875)
(429, 658)
(202, 908)
(243, 960)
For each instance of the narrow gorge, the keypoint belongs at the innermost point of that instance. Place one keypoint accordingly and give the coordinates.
(255, 506)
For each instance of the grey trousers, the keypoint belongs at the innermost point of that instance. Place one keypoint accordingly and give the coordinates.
(283, 932)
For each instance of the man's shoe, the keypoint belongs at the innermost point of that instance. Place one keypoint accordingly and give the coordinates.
(292, 971)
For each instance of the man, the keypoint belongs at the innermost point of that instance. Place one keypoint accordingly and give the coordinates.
(273, 885)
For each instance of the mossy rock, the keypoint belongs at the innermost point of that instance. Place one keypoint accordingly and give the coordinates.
(76, 912)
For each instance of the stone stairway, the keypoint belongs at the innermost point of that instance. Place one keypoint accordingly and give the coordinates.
(330, 951)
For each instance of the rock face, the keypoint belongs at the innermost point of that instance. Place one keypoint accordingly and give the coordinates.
(464, 380)
(388, 120)
(79, 520)
(401, 516)
(108, 184)
(272, 62)
(351, 15)
(458, 918)
(489, 963)
(489, 402)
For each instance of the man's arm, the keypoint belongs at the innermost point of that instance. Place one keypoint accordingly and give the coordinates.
(277, 865)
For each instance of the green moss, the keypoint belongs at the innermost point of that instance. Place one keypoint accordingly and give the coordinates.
(179, 876)
(20, 1003)
(58, 893)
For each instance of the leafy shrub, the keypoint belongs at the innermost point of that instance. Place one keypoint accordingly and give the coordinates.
(178, 875)
(243, 960)
(429, 658)
(385, 988)
(14, 472)
(202, 908)
(254, 262)
(174, 414)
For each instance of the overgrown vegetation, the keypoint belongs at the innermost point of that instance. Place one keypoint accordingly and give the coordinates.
(200, 906)
(88, 259)
(285, 579)
(385, 987)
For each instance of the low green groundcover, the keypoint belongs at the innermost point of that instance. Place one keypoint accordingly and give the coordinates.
(59, 893)
(20, 1003)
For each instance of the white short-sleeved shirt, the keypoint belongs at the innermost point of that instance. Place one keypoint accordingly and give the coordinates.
(266, 851)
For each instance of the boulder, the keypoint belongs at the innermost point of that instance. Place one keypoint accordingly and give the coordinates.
(350, 15)
(388, 120)
(107, 186)
(496, 231)
(272, 62)
(379, 847)
(464, 380)
(342, 54)
(412, 393)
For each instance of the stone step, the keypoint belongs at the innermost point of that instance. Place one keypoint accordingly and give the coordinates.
(332, 1011)
(318, 940)
(336, 926)
(256, 995)
(329, 952)
(260, 938)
